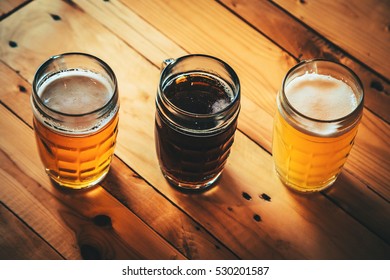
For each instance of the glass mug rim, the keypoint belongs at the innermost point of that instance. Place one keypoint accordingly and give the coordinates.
(171, 62)
(356, 79)
(37, 83)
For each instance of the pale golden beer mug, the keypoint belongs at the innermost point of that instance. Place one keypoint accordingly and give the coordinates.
(319, 107)
(75, 105)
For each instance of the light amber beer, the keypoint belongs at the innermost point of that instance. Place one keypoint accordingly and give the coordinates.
(319, 109)
(75, 119)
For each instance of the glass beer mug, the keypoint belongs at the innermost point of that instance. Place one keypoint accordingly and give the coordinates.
(197, 106)
(319, 107)
(75, 105)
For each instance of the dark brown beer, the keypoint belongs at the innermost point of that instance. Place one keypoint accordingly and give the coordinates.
(199, 93)
(194, 156)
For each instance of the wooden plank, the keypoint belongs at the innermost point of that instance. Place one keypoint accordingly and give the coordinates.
(177, 228)
(371, 154)
(15, 93)
(69, 223)
(18, 242)
(303, 43)
(144, 145)
(105, 11)
(132, 29)
(359, 27)
(8, 6)
(214, 209)
(260, 80)
(257, 124)
(188, 236)
(29, 42)
(270, 228)
(350, 194)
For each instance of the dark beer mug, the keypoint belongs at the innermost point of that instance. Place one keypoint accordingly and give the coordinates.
(197, 106)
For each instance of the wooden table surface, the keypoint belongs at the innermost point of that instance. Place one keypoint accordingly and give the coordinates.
(249, 214)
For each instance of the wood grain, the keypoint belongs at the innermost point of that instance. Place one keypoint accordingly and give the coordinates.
(359, 201)
(18, 242)
(177, 228)
(347, 195)
(231, 218)
(15, 93)
(359, 27)
(70, 223)
(254, 228)
(8, 6)
(188, 236)
(255, 65)
(370, 154)
(304, 43)
(257, 113)
(131, 28)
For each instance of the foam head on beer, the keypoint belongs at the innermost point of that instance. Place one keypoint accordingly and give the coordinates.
(321, 97)
(78, 94)
(75, 92)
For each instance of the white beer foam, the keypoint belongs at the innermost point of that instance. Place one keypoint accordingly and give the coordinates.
(219, 105)
(75, 92)
(321, 97)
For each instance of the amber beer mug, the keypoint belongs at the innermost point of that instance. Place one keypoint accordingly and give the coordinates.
(197, 106)
(75, 105)
(319, 107)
